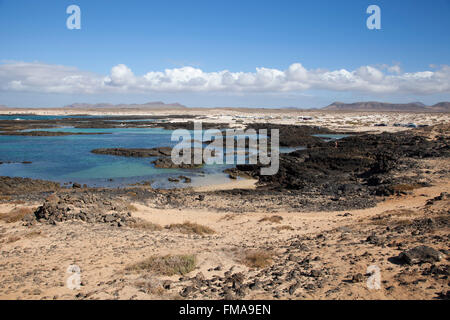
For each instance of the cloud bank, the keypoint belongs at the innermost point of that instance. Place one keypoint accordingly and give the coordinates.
(49, 78)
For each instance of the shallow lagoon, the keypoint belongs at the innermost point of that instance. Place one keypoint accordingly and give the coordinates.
(68, 158)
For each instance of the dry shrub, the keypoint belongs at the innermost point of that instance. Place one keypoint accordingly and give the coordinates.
(274, 219)
(168, 265)
(284, 227)
(151, 286)
(16, 214)
(389, 216)
(130, 207)
(399, 212)
(380, 221)
(402, 222)
(145, 225)
(228, 217)
(5, 198)
(190, 228)
(257, 258)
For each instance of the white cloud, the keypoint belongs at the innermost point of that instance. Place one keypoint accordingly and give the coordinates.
(395, 69)
(120, 76)
(48, 78)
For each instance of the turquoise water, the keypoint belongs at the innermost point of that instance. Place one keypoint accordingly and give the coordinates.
(325, 136)
(290, 149)
(331, 137)
(36, 117)
(49, 117)
(68, 158)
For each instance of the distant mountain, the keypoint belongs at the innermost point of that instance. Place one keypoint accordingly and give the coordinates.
(384, 106)
(148, 105)
(419, 103)
(445, 106)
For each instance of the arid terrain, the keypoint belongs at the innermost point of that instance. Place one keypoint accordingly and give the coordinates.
(378, 200)
(336, 120)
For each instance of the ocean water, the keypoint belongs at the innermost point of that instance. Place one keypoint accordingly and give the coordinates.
(290, 149)
(331, 137)
(68, 159)
(37, 117)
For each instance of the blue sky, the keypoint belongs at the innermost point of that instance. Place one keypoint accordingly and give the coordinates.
(213, 36)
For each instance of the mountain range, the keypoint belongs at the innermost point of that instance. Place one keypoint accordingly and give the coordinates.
(335, 106)
(384, 106)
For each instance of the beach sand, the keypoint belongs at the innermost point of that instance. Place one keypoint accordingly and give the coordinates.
(34, 261)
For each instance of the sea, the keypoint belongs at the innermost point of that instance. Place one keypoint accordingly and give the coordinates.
(68, 159)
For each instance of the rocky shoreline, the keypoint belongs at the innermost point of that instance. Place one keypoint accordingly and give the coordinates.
(10, 127)
(308, 232)
(357, 172)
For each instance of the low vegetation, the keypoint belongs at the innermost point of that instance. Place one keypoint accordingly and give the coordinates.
(145, 225)
(150, 286)
(389, 216)
(228, 217)
(274, 219)
(130, 207)
(190, 228)
(257, 258)
(168, 265)
(283, 227)
(16, 214)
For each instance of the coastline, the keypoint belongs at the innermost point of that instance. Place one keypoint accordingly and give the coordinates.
(309, 232)
(346, 121)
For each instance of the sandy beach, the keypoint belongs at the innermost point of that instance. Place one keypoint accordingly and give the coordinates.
(334, 243)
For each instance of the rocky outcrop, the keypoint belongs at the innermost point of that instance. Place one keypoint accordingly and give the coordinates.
(294, 136)
(55, 210)
(420, 254)
(167, 163)
(135, 152)
(352, 165)
(17, 186)
(164, 153)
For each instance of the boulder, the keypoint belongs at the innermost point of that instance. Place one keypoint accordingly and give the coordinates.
(357, 278)
(420, 254)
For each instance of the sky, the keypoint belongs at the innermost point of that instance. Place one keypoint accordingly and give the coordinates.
(223, 53)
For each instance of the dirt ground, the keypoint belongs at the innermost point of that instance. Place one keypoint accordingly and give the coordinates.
(318, 254)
